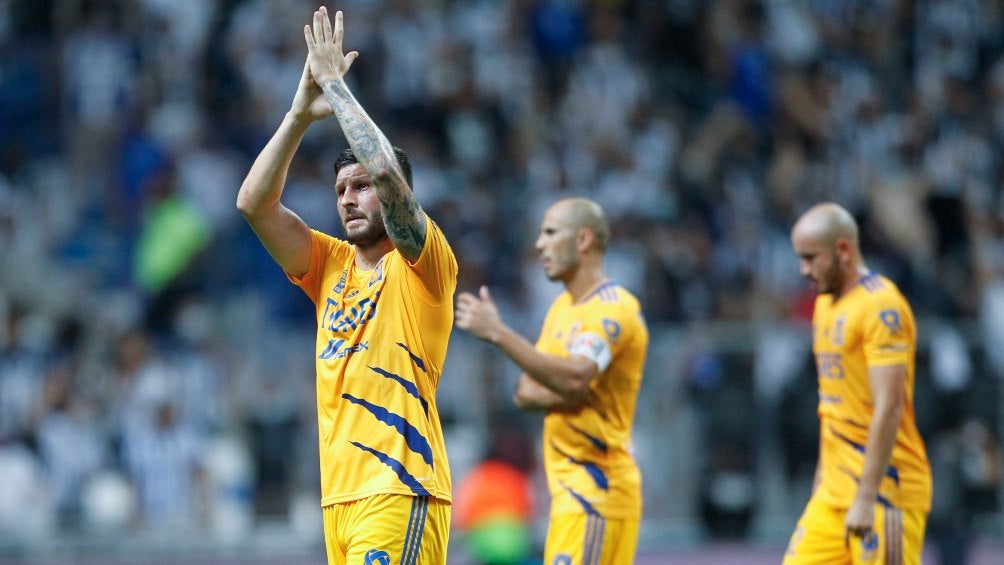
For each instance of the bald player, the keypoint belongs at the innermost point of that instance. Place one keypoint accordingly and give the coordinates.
(584, 372)
(872, 489)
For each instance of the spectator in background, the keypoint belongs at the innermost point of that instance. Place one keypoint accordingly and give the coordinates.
(23, 365)
(70, 445)
(163, 457)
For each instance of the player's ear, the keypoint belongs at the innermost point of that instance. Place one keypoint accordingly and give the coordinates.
(845, 248)
(585, 239)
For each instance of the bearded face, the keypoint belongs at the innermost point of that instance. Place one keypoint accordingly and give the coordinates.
(556, 246)
(364, 229)
(359, 207)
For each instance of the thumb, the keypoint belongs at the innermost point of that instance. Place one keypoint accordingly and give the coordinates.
(305, 78)
(486, 296)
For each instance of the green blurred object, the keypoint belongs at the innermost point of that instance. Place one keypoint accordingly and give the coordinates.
(173, 233)
(499, 541)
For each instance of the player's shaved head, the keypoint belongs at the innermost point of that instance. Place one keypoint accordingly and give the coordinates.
(827, 222)
(584, 213)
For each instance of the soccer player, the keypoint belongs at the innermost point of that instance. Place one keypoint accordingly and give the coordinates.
(584, 372)
(872, 489)
(384, 300)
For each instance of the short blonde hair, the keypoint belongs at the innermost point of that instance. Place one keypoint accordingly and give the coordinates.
(585, 213)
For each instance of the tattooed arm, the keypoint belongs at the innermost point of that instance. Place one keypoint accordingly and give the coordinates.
(402, 214)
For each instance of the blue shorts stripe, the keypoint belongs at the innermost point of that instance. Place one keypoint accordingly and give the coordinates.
(416, 526)
(592, 549)
(893, 536)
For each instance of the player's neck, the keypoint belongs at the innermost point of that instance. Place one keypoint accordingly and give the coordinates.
(852, 280)
(367, 257)
(584, 283)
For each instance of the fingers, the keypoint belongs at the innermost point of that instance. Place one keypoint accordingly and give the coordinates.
(326, 26)
(485, 295)
(339, 33)
(863, 533)
(308, 36)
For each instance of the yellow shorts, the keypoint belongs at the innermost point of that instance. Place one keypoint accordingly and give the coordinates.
(589, 539)
(819, 537)
(387, 528)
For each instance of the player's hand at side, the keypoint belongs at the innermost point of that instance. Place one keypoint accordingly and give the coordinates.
(860, 519)
(478, 315)
(324, 48)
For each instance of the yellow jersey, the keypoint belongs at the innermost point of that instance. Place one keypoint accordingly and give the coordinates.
(382, 336)
(872, 325)
(587, 451)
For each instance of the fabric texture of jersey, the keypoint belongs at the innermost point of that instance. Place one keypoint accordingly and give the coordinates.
(587, 451)
(872, 325)
(381, 342)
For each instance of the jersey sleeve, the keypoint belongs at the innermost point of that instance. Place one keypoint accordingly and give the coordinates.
(310, 282)
(602, 335)
(888, 332)
(436, 267)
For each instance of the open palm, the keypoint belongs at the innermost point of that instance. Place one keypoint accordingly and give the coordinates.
(324, 48)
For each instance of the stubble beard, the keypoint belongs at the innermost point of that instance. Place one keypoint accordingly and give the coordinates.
(830, 282)
(369, 236)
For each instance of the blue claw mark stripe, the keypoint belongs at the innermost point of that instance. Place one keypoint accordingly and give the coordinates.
(407, 478)
(418, 360)
(409, 386)
(582, 501)
(597, 442)
(592, 468)
(416, 442)
(891, 472)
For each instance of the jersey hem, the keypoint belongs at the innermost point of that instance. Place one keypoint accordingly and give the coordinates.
(329, 500)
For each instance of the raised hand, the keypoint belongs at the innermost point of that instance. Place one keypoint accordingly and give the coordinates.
(478, 315)
(309, 101)
(325, 58)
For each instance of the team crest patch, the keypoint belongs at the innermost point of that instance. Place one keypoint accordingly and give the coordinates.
(890, 318)
(376, 557)
(562, 559)
(612, 328)
(377, 275)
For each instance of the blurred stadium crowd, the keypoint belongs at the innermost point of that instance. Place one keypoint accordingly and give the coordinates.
(156, 366)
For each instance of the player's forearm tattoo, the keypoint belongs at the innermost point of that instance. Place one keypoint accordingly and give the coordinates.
(402, 212)
(400, 218)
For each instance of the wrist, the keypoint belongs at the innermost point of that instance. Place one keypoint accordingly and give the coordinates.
(298, 119)
(866, 495)
(496, 334)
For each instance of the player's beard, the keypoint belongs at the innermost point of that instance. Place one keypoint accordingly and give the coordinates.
(830, 281)
(367, 237)
(561, 262)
